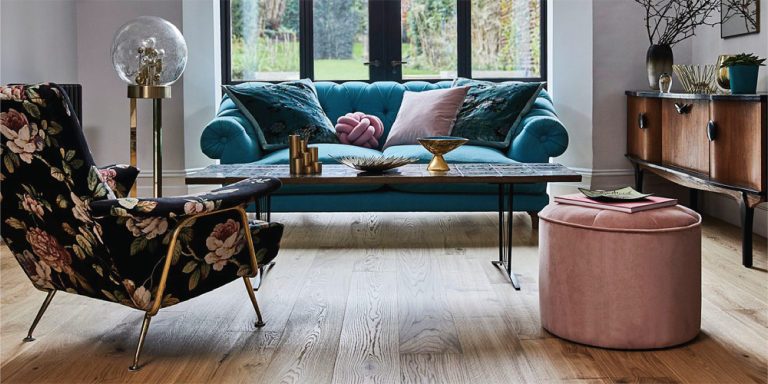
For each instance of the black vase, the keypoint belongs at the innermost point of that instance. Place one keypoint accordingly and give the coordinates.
(657, 62)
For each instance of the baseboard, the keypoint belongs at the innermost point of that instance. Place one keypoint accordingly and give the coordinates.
(173, 182)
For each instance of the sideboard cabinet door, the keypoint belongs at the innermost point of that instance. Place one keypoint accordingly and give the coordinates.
(737, 155)
(644, 128)
(684, 136)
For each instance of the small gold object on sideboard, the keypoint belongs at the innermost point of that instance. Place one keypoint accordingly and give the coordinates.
(302, 159)
(439, 146)
(723, 77)
(698, 79)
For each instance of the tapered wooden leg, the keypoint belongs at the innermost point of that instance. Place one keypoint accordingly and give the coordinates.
(534, 219)
(144, 327)
(249, 287)
(40, 315)
(638, 178)
(747, 220)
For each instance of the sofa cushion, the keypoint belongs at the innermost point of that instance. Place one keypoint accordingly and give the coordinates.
(425, 114)
(279, 110)
(323, 150)
(492, 112)
(463, 154)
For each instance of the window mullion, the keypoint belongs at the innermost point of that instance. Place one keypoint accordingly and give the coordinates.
(464, 38)
(306, 40)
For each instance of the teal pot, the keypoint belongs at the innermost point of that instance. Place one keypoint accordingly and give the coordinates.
(743, 78)
(658, 61)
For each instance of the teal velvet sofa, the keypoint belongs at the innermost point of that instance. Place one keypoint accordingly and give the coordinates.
(230, 138)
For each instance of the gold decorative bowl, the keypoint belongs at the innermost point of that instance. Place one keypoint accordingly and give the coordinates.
(439, 146)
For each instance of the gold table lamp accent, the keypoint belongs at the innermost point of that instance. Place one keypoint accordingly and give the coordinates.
(439, 146)
(156, 93)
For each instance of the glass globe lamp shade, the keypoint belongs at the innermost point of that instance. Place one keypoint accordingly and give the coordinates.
(149, 50)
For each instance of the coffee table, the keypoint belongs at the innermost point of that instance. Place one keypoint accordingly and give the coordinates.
(503, 175)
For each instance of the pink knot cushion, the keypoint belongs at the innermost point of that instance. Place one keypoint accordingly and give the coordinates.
(359, 129)
(617, 280)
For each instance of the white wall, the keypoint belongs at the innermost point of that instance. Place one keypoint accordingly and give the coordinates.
(38, 41)
(202, 88)
(597, 51)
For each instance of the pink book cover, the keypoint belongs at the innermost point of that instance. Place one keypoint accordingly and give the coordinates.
(651, 202)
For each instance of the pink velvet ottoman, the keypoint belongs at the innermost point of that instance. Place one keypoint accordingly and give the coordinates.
(618, 280)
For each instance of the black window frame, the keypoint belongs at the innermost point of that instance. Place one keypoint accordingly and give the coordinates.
(306, 48)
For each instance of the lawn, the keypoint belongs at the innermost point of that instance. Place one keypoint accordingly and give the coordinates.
(284, 58)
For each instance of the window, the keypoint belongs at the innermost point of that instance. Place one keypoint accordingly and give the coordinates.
(373, 40)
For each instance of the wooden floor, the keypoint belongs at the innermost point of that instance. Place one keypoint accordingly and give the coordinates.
(382, 298)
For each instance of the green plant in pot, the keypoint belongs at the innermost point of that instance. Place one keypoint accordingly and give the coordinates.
(742, 71)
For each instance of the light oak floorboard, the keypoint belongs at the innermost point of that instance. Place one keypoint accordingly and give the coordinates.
(382, 298)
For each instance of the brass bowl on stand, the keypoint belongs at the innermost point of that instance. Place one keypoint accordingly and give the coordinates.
(439, 146)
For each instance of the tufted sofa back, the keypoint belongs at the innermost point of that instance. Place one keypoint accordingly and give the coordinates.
(382, 98)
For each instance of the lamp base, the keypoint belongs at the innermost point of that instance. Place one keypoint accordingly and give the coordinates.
(149, 92)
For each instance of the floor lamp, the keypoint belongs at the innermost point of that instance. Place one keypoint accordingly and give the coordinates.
(149, 54)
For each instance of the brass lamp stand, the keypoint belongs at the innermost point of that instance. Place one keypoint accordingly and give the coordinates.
(157, 93)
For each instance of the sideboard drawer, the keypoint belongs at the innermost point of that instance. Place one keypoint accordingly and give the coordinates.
(685, 134)
(644, 128)
(737, 156)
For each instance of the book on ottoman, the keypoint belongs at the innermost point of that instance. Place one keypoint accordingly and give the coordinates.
(650, 202)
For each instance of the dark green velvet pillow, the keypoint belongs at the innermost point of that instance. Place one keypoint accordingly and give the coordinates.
(492, 112)
(279, 110)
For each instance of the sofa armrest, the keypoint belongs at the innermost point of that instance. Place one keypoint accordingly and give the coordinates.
(230, 139)
(542, 136)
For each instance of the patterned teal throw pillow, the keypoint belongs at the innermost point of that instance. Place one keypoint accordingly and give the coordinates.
(279, 110)
(492, 112)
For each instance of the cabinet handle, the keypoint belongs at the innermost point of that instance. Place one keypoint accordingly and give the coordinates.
(641, 121)
(711, 131)
(682, 108)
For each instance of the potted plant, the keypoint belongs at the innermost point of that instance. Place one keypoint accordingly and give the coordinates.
(742, 71)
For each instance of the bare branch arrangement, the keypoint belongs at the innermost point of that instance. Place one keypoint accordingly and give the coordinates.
(745, 9)
(669, 22)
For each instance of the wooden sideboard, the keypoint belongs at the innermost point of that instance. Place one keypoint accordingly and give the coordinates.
(714, 143)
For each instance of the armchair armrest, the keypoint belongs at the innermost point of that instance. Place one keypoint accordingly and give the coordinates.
(233, 195)
(120, 177)
(169, 250)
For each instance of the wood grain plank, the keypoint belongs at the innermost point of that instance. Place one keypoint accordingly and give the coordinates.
(368, 347)
(312, 332)
(426, 323)
(492, 352)
(433, 369)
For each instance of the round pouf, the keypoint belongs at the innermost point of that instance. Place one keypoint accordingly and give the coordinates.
(617, 280)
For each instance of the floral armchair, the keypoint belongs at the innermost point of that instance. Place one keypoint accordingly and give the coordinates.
(71, 228)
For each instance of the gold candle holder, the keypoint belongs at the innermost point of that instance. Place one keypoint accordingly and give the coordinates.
(297, 166)
(303, 159)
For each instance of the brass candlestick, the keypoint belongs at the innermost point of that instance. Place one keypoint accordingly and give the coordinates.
(302, 159)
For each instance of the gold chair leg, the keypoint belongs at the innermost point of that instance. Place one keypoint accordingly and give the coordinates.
(144, 327)
(40, 315)
(249, 287)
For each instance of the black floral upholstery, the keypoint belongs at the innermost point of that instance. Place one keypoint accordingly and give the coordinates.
(120, 178)
(65, 226)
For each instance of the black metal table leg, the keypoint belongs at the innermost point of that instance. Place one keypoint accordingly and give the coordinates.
(505, 233)
(263, 212)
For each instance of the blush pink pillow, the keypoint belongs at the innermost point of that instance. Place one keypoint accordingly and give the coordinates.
(359, 129)
(428, 113)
